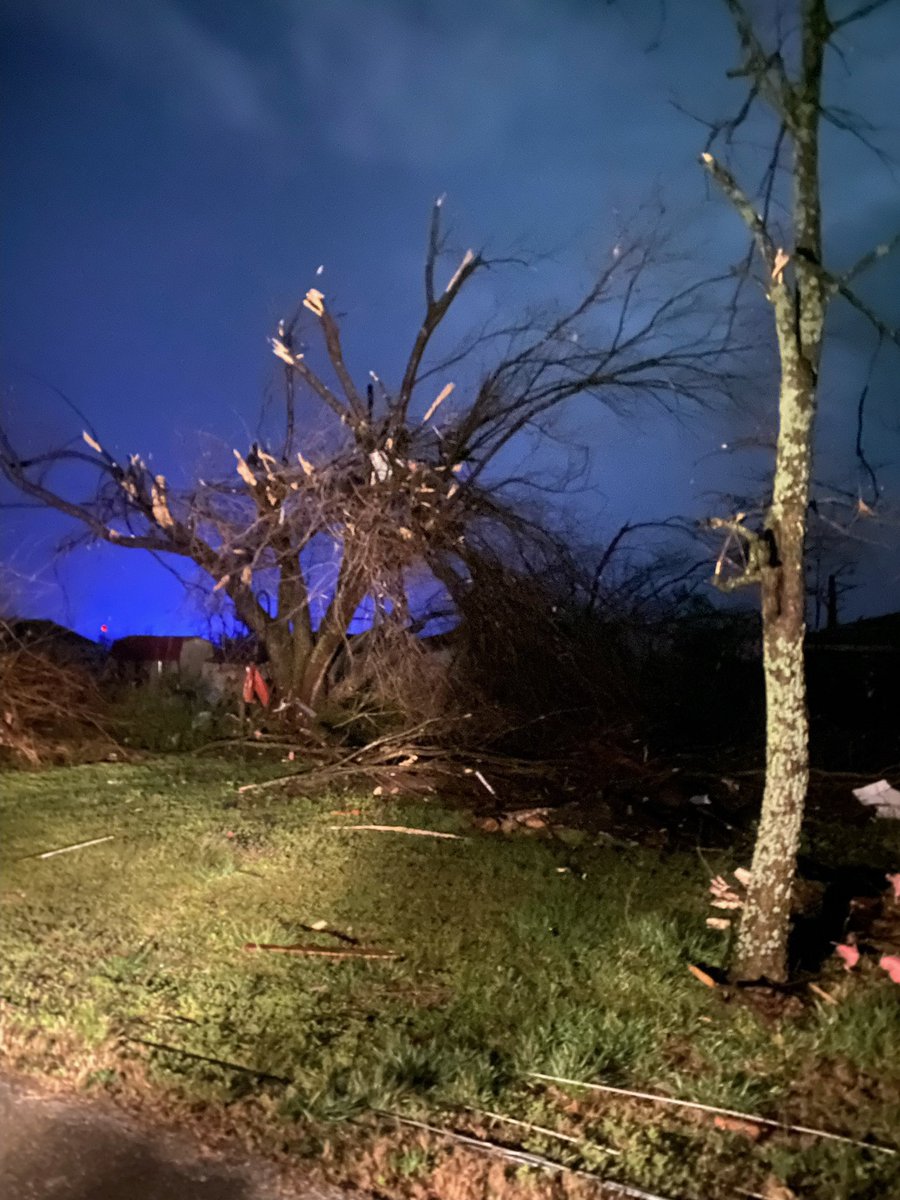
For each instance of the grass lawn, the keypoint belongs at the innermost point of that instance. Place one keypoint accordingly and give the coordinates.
(519, 955)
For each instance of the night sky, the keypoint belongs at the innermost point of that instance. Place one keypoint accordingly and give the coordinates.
(174, 171)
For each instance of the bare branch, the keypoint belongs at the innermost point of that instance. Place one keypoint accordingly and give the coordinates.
(740, 201)
(434, 237)
(858, 14)
(870, 259)
(434, 314)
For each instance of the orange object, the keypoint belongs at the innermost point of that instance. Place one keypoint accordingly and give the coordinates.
(706, 980)
(255, 687)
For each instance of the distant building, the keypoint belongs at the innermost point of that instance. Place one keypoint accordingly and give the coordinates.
(55, 642)
(149, 657)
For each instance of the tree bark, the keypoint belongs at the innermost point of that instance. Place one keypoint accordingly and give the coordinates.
(799, 312)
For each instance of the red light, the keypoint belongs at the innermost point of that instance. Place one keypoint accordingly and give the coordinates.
(104, 629)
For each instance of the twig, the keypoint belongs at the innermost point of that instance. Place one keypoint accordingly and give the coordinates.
(68, 849)
(353, 757)
(456, 837)
(655, 1098)
(216, 1062)
(323, 951)
(522, 1156)
(481, 779)
(553, 1133)
(822, 994)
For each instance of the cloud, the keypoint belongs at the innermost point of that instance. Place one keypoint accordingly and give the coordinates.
(157, 42)
(436, 85)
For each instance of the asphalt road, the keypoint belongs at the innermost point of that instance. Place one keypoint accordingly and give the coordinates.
(70, 1148)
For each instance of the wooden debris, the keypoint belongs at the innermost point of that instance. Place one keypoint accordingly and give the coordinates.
(524, 1157)
(768, 1122)
(435, 833)
(822, 994)
(437, 402)
(484, 783)
(541, 1129)
(362, 952)
(76, 846)
(706, 980)
(530, 818)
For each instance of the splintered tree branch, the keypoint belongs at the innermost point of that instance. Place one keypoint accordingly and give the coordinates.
(299, 542)
(435, 311)
(434, 240)
(741, 202)
(336, 355)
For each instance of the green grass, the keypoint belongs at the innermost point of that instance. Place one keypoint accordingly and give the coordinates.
(509, 966)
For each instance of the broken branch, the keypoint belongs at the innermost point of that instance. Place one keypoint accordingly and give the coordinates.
(656, 1098)
(456, 837)
(68, 849)
(322, 951)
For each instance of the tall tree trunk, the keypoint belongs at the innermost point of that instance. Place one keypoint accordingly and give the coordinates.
(763, 941)
(799, 314)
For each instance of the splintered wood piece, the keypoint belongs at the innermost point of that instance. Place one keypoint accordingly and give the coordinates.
(76, 846)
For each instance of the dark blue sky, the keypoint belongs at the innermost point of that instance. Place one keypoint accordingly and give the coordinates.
(175, 170)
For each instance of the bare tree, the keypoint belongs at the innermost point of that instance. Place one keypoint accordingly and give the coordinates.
(787, 80)
(389, 480)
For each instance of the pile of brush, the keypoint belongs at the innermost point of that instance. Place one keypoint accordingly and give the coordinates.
(49, 712)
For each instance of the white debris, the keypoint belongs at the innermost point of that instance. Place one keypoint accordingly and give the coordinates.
(882, 797)
(381, 465)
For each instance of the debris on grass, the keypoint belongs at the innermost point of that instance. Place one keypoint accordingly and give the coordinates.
(324, 927)
(362, 952)
(880, 796)
(524, 1157)
(435, 833)
(481, 779)
(696, 1106)
(541, 1129)
(698, 973)
(822, 994)
(75, 846)
(723, 894)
